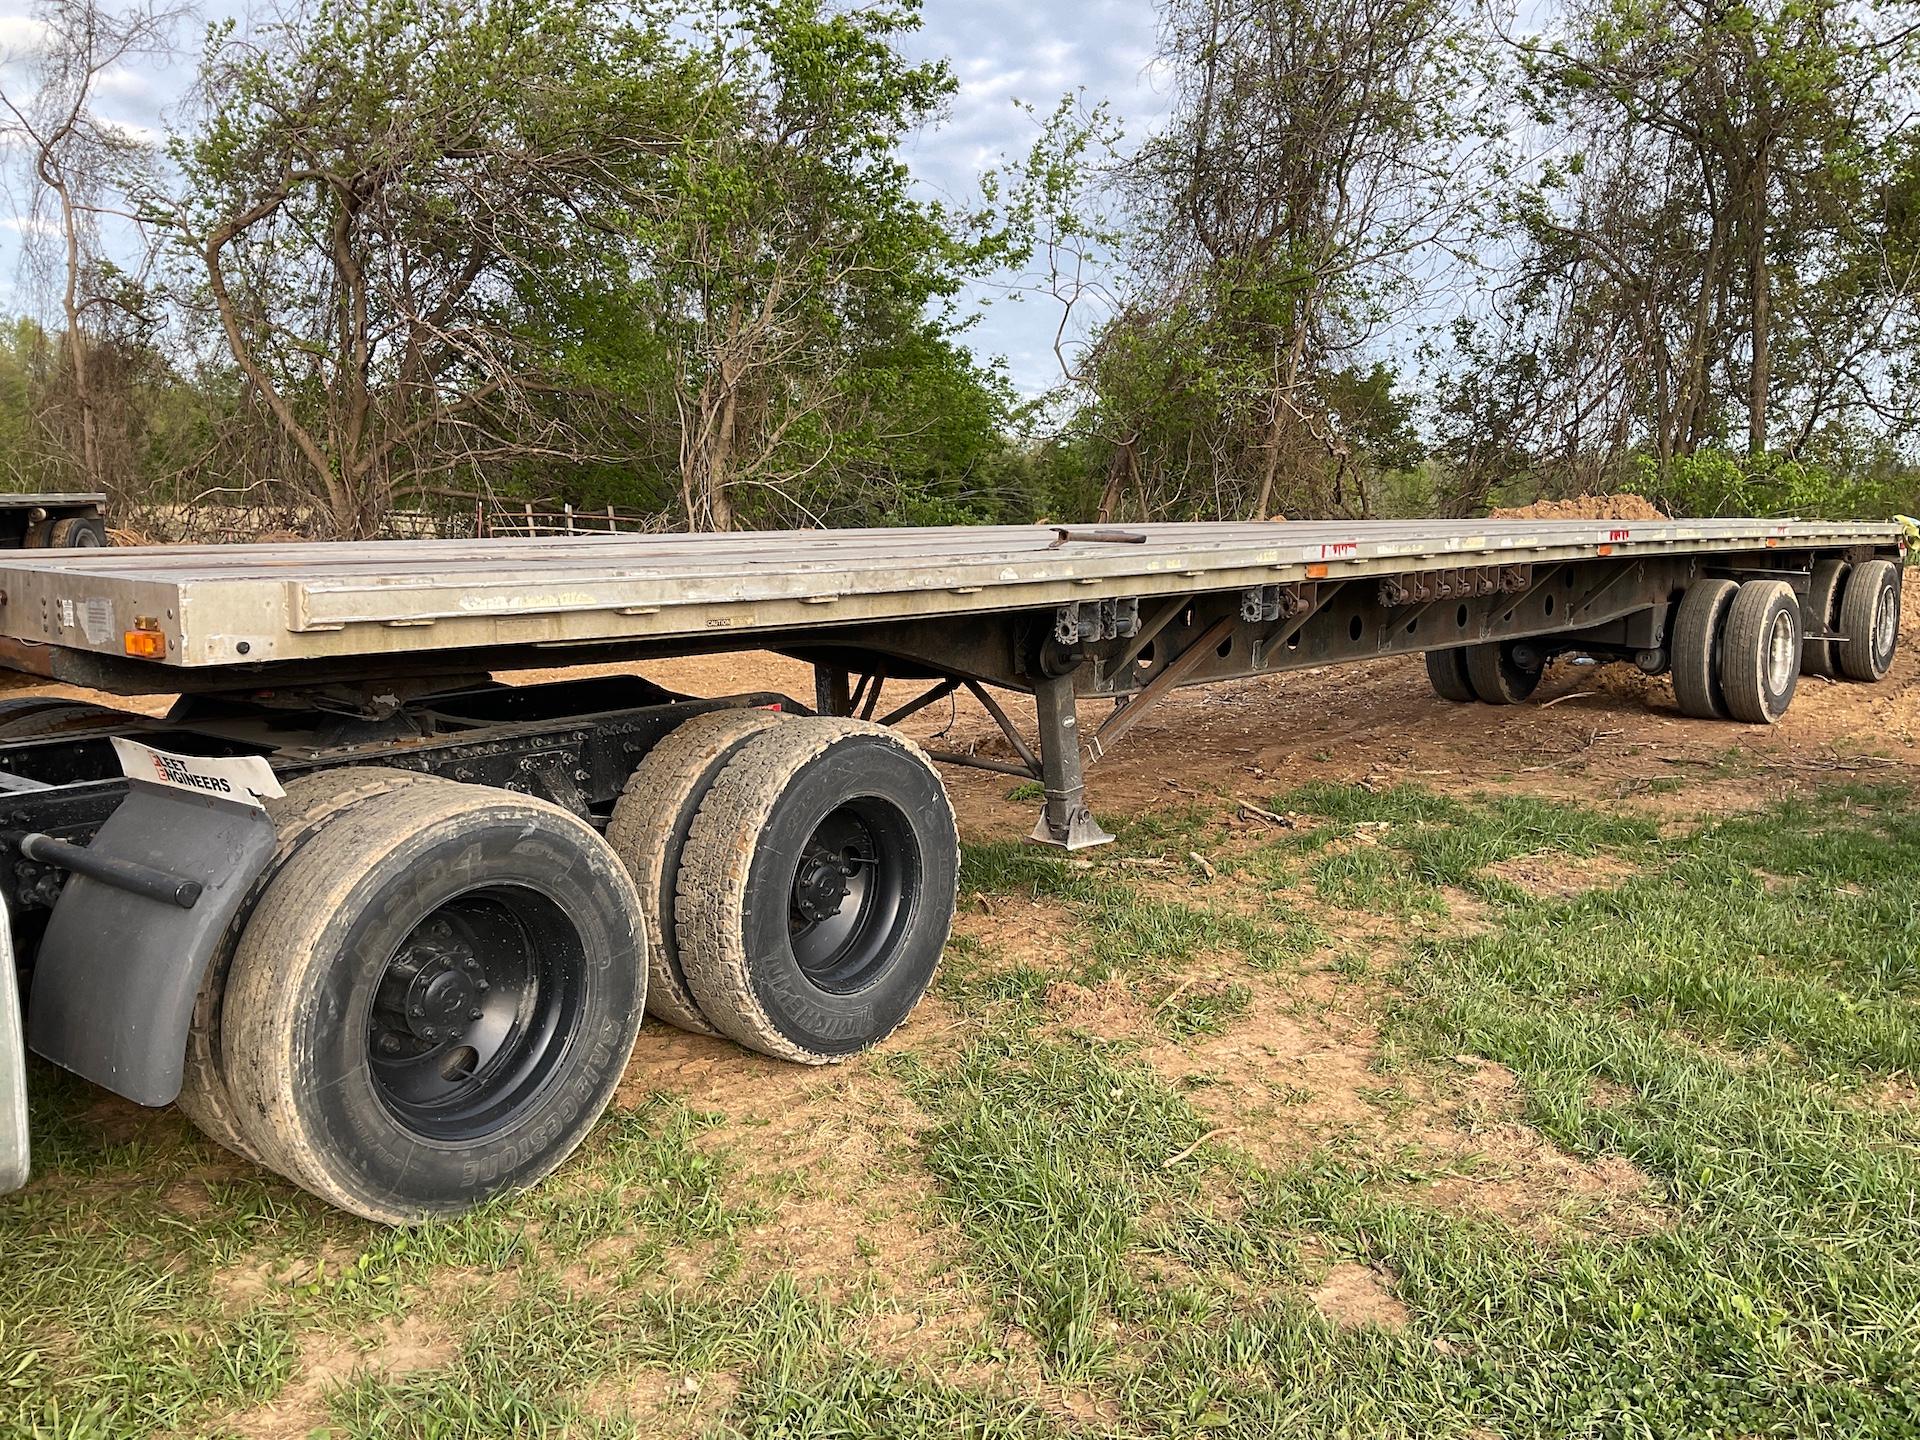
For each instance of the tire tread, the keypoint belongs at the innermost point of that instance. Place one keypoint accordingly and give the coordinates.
(642, 832)
(1857, 605)
(1696, 633)
(311, 802)
(1743, 653)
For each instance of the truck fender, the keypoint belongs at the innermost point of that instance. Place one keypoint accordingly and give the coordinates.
(117, 972)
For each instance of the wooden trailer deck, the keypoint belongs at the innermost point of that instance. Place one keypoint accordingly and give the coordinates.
(246, 605)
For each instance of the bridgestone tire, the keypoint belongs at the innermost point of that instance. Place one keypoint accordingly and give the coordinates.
(1697, 632)
(1822, 612)
(1760, 651)
(1495, 678)
(776, 961)
(545, 914)
(649, 828)
(1447, 673)
(1870, 619)
(77, 532)
(310, 803)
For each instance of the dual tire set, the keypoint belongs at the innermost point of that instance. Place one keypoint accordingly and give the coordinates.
(1738, 648)
(434, 988)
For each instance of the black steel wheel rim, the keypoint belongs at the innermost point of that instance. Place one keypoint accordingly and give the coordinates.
(852, 893)
(474, 1011)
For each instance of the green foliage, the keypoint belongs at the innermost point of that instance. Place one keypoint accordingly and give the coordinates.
(1715, 481)
(787, 308)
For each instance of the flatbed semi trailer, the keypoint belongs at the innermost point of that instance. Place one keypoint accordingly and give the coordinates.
(385, 924)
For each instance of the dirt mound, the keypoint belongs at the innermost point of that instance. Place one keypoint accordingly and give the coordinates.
(1586, 507)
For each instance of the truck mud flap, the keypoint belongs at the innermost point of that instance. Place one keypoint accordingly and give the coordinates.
(14, 1150)
(118, 970)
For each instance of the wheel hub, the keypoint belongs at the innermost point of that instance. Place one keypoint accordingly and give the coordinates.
(1780, 653)
(433, 989)
(820, 887)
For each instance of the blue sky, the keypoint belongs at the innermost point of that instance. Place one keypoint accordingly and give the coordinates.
(1002, 52)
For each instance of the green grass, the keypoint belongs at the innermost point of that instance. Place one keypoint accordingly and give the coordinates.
(1734, 1015)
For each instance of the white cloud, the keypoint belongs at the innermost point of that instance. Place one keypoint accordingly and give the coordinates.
(21, 36)
(123, 82)
(131, 130)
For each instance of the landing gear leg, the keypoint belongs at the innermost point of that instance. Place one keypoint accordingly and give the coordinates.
(832, 693)
(1066, 821)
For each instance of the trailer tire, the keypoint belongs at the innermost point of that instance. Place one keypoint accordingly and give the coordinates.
(1447, 673)
(433, 1003)
(1697, 632)
(311, 802)
(1760, 651)
(1496, 679)
(35, 717)
(1870, 619)
(77, 532)
(803, 819)
(1822, 612)
(649, 829)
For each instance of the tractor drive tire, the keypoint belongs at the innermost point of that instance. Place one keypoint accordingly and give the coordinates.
(311, 802)
(433, 1001)
(816, 889)
(649, 828)
(40, 717)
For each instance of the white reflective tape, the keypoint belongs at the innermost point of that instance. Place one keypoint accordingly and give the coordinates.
(246, 778)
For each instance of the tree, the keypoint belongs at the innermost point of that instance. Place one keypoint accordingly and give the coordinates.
(789, 277)
(388, 203)
(1718, 228)
(1318, 172)
(78, 162)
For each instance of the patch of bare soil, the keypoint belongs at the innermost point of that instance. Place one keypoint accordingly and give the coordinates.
(1111, 1010)
(1302, 1072)
(830, 1155)
(1354, 1296)
(671, 1404)
(329, 1361)
(1585, 507)
(1563, 876)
